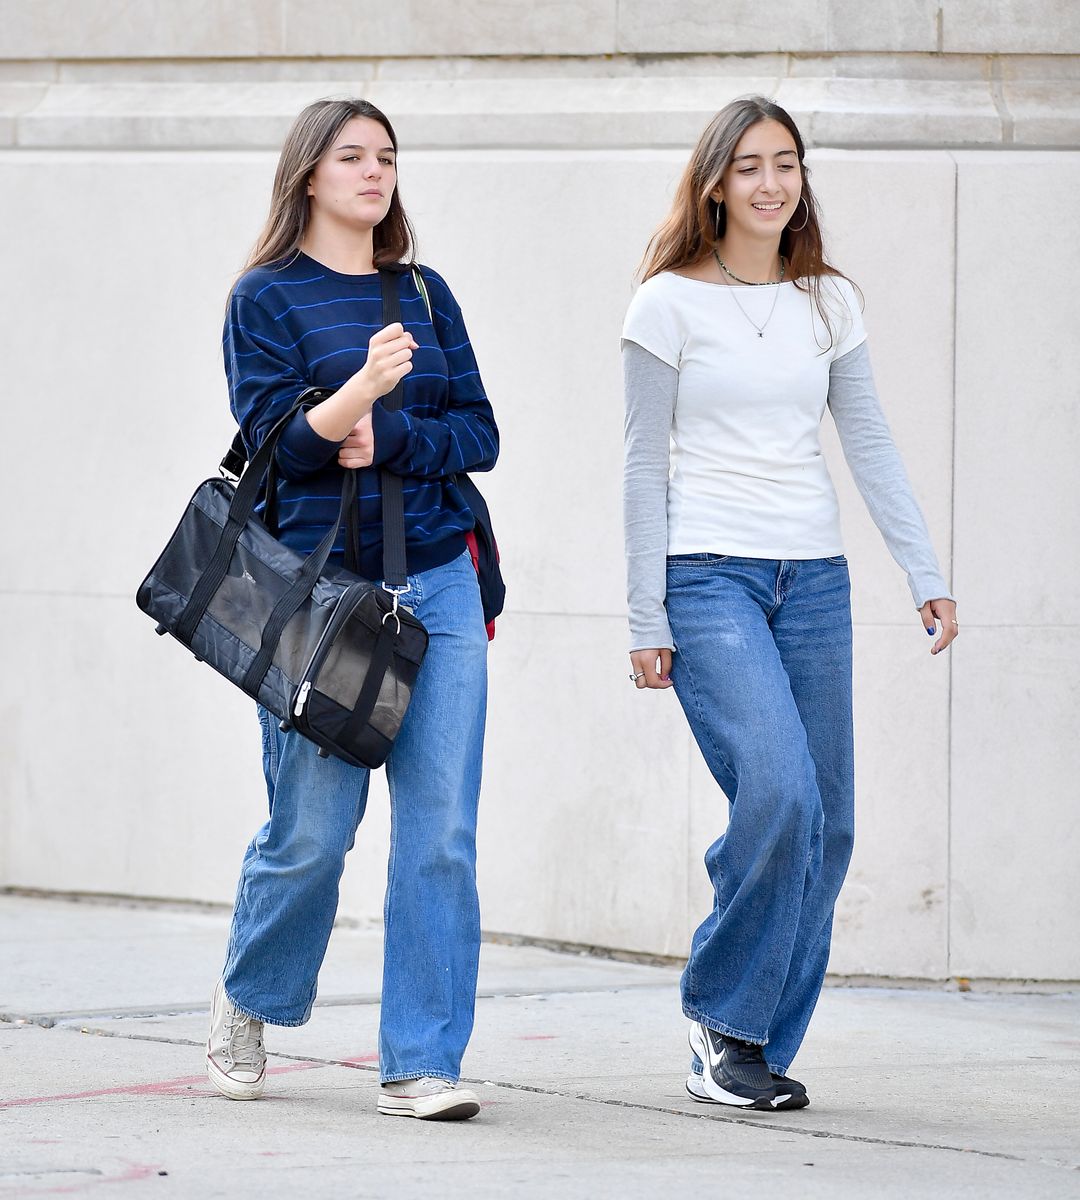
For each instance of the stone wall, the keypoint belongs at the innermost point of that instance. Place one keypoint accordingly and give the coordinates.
(540, 147)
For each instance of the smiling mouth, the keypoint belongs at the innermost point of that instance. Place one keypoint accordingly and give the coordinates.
(773, 206)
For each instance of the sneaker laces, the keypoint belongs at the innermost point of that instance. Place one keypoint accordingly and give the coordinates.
(243, 1041)
(429, 1084)
(745, 1052)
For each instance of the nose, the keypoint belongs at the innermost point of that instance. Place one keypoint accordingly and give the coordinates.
(771, 180)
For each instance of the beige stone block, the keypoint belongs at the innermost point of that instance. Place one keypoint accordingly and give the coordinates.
(576, 226)
(900, 26)
(169, 115)
(903, 263)
(1044, 113)
(1039, 68)
(892, 112)
(575, 113)
(332, 28)
(866, 65)
(737, 27)
(583, 828)
(118, 29)
(22, 71)
(126, 767)
(1010, 27)
(16, 99)
(1015, 820)
(126, 347)
(891, 918)
(1017, 417)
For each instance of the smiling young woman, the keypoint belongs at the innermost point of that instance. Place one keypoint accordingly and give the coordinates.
(307, 312)
(739, 338)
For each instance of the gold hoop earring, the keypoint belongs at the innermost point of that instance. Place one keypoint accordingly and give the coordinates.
(800, 228)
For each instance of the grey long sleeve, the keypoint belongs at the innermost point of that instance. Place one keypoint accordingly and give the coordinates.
(651, 388)
(879, 474)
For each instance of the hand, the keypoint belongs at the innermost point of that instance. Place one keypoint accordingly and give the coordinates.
(389, 359)
(945, 612)
(358, 449)
(653, 668)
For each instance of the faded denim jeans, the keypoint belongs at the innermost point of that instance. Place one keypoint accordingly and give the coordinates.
(288, 892)
(762, 670)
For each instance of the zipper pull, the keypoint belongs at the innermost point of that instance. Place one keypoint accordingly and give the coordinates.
(301, 698)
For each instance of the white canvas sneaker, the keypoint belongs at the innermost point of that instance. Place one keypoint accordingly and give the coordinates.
(429, 1099)
(235, 1057)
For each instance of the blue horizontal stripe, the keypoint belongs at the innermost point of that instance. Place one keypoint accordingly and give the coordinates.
(269, 358)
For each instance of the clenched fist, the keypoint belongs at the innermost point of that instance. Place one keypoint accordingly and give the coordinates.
(389, 358)
(358, 449)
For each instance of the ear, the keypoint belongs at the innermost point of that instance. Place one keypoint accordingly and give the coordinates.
(717, 196)
(310, 189)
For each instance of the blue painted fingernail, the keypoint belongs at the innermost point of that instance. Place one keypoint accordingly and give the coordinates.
(930, 630)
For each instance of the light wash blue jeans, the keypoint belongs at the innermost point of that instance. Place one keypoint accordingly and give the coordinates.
(763, 672)
(288, 892)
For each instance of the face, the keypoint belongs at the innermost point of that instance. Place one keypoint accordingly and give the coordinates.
(763, 182)
(353, 182)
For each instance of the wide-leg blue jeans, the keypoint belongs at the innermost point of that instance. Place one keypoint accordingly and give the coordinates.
(762, 670)
(288, 892)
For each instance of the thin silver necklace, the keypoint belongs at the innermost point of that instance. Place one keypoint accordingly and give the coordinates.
(776, 295)
(748, 282)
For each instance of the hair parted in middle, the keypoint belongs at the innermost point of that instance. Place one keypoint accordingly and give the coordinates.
(312, 134)
(696, 222)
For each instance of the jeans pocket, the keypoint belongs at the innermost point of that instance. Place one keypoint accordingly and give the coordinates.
(838, 560)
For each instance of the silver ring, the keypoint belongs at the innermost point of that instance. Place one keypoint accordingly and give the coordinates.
(957, 624)
(635, 678)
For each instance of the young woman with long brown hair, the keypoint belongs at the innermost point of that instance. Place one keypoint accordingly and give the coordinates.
(307, 312)
(738, 339)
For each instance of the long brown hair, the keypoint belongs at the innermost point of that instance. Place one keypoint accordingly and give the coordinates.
(697, 222)
(312, 134)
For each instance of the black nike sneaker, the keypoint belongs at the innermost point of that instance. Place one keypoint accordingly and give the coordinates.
(735, 1072)
(790, 1093)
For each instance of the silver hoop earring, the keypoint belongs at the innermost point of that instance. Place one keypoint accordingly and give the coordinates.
(716, 223)
(800, 228)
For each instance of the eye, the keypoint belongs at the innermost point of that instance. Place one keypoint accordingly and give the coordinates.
(387, 162)
(747, 170)
(787, 166)
(350, 158)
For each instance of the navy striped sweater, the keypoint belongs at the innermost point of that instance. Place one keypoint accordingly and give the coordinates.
(298, 324)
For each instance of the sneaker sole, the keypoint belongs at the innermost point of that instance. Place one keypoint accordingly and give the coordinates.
(433, 1108)
(719, 1095)
(229, 1087)
(695, 1088)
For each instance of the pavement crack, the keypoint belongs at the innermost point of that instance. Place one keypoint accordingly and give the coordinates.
(764, 1122)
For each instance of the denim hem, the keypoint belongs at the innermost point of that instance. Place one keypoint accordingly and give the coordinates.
(777, 1069)
(258, 1016)
(727, 1030)
(419, 1073)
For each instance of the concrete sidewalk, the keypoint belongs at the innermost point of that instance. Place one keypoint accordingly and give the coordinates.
(579, 1061)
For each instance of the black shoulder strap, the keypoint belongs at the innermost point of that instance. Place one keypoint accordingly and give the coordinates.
(393, 503)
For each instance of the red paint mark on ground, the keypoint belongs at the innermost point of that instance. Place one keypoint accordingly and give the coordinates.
(357, 1059)
(131, 1173)
(536, 1037)
(165, 1087)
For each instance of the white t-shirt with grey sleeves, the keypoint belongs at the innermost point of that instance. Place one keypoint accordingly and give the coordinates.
(723, 451)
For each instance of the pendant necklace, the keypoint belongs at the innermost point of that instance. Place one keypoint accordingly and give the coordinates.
(768, 283)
